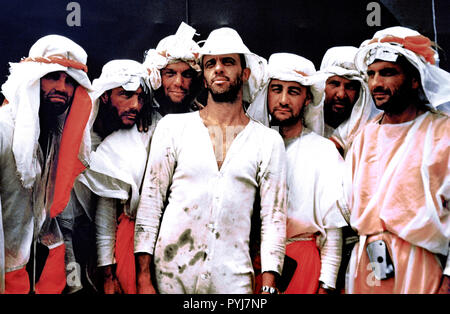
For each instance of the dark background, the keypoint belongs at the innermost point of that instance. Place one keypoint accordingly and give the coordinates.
(125, 29)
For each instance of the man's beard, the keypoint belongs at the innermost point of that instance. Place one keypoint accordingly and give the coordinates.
(289, 121)
(230, 95)
(49, 111)
(165, 101)
(334, 118)
(54, 108)
(398, 101)
(113, 121)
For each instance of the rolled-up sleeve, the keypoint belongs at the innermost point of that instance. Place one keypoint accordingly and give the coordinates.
(105, 221)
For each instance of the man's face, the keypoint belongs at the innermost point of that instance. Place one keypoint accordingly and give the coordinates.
(223, 76)
(177, 79)
(286, 102)
(391, 89)
(57, 90)
(127, 104)
(340, 96)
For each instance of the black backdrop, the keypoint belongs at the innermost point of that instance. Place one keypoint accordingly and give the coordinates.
(118, 29)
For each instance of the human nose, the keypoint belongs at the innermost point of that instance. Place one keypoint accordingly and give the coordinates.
(60, 84)
(284, 98)
(374, 81)
(218, 68)
(340, 94)
(178, 80)
(133, 103)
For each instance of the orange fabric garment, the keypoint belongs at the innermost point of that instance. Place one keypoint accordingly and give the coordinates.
(417, 271)
(307, 273)
(53, 277)
(69, 166)
(17, 282)
(124, 253)
(398, 175)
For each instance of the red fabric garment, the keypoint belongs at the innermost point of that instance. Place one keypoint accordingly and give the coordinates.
(53, 276)
(124, 253)
(69, 166)
(17, 282)
(307, 273)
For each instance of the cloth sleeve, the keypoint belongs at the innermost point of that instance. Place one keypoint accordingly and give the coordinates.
(106, 222)
(272, 185)
(330, 257)
(157, 181)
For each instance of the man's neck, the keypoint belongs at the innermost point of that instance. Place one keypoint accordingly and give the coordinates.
(224, 113)
(291, 131)
(410, 113)
(168, 107)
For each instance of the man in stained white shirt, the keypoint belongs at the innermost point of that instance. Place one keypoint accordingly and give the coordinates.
(117, 164)
(204, 173)
(314, 174)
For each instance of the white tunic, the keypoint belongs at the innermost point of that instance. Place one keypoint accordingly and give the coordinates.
(203, 240)
(314, 183)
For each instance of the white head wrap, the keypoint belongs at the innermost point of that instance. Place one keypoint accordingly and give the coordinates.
(292, 68)
(172, 49)
(128, 74)
(340, 61)
(391, 42)
(22, 91)
(227, 41)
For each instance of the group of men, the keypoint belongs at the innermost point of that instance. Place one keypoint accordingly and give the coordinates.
(212, 170)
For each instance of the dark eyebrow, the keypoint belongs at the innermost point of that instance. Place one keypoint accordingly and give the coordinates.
(295, 88)
(275, 86)
(334, 82)
(229, 59)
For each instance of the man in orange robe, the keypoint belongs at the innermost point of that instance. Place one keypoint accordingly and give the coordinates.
(398, 170)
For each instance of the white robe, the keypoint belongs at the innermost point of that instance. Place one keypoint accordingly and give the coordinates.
(314, 182)
(203, 240)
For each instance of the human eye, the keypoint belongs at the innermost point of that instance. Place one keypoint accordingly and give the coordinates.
(188, 74)
(54, 76)
(229, 61)
(388, 72)
(168, 73)
(210, 63)
(294, 92)
(275, 88)
(370, 73)
(333, 83)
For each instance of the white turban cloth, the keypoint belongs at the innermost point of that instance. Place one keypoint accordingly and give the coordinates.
(292, 68)
(22, 91)
(172, 49)
(389, 43)
(118, 163)
(340, 61)
(227, 41)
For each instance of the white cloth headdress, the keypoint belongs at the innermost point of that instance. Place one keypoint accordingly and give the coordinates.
(172, 49)
(22, 91)
(293, 68)
(227, 41)
(391, 42)
(128, 74)
(340, 61)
